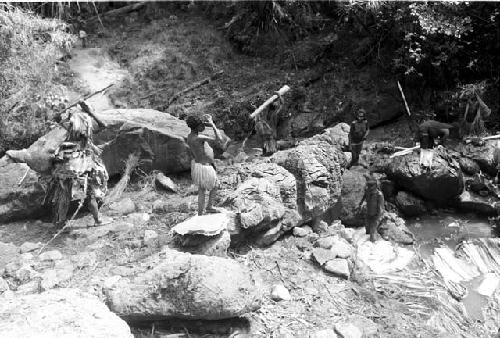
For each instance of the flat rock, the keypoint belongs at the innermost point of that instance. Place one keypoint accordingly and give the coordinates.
(165, 183)
(60, 313)
(338, 267)
(382, 256)
(138, 218)
(207, 225)
(322, 256)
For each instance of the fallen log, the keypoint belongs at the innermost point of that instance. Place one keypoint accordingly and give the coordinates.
(119, 11)
(273, 98)
(193, 86)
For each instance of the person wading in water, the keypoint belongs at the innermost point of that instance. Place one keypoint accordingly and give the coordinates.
(203, 168)
(357, 135)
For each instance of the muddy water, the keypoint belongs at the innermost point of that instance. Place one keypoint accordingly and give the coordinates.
(450, 229)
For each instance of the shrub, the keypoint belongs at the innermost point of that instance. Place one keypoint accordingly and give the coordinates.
(30, 73)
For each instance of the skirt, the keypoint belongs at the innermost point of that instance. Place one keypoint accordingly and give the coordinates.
(426, 156)
(203, 175)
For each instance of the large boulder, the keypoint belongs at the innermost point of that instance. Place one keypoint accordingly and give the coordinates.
(262, 215)
(441, 184)
(468, 201)
(317, 164)
(23, 200)
(349, 210)
(60, 313)
(159, 137)
(409, 204)
(38, 156)
(181, 285)
(482, 155)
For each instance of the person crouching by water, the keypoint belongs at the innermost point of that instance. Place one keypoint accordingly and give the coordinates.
(375, 207)
(203, 171)
(428, 132)
(357, 135)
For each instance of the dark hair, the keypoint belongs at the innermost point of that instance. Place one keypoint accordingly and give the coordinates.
(194, 122)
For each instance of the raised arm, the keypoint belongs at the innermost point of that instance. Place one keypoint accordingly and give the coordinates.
(218, 137)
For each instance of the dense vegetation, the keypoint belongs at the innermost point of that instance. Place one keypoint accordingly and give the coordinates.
(438, 50)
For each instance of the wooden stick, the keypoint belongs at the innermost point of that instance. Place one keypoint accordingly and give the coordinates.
(404, 152)
(273, 98)
(24, 176)
(193, 86)
(120, 11)
(404, 99)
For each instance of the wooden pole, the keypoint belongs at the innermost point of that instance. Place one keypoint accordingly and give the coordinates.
(273, 98)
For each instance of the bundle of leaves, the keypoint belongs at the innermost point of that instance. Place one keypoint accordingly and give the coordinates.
(30, 74)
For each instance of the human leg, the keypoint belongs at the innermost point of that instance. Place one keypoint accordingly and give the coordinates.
(211, 198)
(355, 151)
(94, 209)
(201, 200)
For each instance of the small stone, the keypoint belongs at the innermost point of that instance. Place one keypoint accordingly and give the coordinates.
(84, 259)
(11, 268)
(325, 243)
(124, 206)
(299, 232)
(138, 218)
(29, 288)
(454, 225)
(341, 248)
(110, 281)
(322, 255)
(165, 183)
(25, 273)
(327, 333)
(338, 267)
(38, 223)
(27, 257)
(52, 255)
(29, 246)
(320, 227)
(150, 235)
(207, 225)
(4, 286)
(348, 330)
(348, 234)
(279, 292)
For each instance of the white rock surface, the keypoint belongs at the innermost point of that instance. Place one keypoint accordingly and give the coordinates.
(61, 313)
(279, 292)
(208, 225)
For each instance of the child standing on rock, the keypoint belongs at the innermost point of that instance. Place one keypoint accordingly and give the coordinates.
(374, 207)
(203, 171)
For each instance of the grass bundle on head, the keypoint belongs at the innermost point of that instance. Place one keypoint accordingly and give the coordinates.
(119, 188)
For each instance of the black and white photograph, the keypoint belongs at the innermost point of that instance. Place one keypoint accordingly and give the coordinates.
(250, 169)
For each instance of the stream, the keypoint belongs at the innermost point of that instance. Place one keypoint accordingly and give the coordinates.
(449, 229)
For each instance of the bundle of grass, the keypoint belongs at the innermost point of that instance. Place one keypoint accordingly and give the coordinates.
(119, 188)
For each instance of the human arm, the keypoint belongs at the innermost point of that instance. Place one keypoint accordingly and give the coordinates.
(381, 203)
(483, 106)
(218, 136)
(367, 131)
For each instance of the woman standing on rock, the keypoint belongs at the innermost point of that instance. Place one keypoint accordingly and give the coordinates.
(203, 171)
